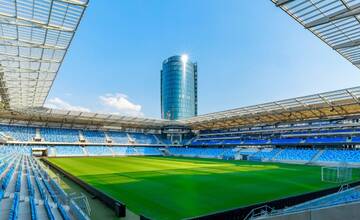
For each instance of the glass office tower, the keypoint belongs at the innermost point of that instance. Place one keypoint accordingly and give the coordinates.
(178, 88)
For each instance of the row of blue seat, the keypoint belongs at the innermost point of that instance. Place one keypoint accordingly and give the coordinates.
(33, 208)
(307, 129)
(48, 210)
(38, 184)
(332, 155)
(29, 184)
(20, 133)
(201, 152)
(77, 212)
(24, 133)
(14, 211)
(47, 206)
(276, 141)
(7, 177)
(347, 196)
(18, 180)
(296, 154)
(57, 194)
(101, 151)
(63, 213)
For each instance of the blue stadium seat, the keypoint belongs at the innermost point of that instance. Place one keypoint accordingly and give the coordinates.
(69, 151)
(296, 154)
(333, 155)
(99, 151)
(118, 137)
(93, 136)
(19, 133)
(142, 138)
(59, 135)
(148, 151)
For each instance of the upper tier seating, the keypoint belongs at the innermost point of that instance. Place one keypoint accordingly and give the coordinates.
(326, 140)
(296, 154)
(347, 156)
(231, 141)
(280, 141)
(19, 133)
(94, 136)
(141, 138)
(59, 135)
(118, 137)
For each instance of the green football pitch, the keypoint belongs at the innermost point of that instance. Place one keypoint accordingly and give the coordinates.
(177, 188)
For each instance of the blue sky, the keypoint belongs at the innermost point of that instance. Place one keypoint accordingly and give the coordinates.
(248, 52)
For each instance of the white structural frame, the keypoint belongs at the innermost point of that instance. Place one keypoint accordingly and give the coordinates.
(335, 22)
(34, 38)
(36, 34)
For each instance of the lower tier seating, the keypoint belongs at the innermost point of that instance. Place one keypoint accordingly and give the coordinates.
(296, 154)
(197, 152)
(347, 156)
(265, 154)
(69, 151)
(98, 151)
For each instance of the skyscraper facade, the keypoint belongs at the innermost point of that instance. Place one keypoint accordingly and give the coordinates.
(178, 88)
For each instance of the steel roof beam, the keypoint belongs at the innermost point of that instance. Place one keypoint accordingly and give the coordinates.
(282, 2)
(26, 58)
(74, 2)
(25, 22)
(348, 44)
(344, 13)
(29, 45)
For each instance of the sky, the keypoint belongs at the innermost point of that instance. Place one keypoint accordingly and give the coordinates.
(248, 52)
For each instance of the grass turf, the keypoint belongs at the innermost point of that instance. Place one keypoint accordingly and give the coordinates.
(176, 188)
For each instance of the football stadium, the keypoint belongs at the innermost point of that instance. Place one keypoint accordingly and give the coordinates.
(297, 158)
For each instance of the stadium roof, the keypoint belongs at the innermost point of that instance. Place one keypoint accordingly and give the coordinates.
(335, 104)
(63, 118)
(327, 105)
(336, 22)
(34, 38)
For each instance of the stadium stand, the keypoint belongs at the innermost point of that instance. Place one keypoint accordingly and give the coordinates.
(148, 151)
(265, 154)
(118, 137)
(143, 138)
(124, 151)
(59, 135)
(304, 155)
(342, 156)
(68, 151)
(20, 133)
(99, 151)
(94, 136)
(197, 152)
(346, 196)
(248, 151)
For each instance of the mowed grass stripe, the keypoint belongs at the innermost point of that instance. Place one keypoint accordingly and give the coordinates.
(176, 188)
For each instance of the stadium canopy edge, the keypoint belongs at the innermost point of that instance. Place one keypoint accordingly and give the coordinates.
(335, 22)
